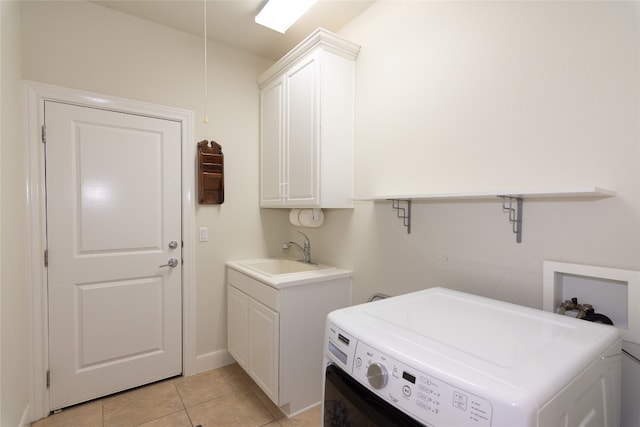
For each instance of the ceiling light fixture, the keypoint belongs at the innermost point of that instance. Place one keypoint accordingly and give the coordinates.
(279, 15)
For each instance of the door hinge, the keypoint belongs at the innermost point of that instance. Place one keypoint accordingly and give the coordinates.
(48, 378)
(46, 257)
(44, 134)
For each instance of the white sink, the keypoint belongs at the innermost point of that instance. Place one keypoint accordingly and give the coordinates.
(275, 266)
(282, 272)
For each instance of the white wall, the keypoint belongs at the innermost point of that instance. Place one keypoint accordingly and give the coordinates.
(475, 96)
(89, 47)
(14, 320)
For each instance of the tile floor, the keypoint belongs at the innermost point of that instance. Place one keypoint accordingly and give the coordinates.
(219, 397)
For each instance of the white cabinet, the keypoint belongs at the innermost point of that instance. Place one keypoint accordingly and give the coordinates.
(276, 335)
(271, 144)
(238, 325)
(253, 330)
(307, 125)
(264, 331)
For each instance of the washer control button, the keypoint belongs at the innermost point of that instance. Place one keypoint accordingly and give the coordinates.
(406, 390)
(377, 375)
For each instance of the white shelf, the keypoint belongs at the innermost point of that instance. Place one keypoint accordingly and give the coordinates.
(556, 193)
(512, 200)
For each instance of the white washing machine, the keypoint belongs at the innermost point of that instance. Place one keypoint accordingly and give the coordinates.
(439, 357)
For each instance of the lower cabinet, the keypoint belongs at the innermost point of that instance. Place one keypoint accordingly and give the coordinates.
(253, 339)
(277, 335)
(238, 326)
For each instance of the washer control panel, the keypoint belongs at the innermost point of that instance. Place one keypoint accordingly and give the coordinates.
(428, 399)
(341, 347)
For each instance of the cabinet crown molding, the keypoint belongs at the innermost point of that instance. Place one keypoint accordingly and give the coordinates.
(319, 38)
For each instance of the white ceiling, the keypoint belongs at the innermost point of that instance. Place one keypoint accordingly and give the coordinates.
(231, 22)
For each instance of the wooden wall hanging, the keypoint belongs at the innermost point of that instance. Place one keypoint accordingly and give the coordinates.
(210, 173)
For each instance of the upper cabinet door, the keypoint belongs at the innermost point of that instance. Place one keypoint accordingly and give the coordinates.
(272, 144)
(307, 125)
(301, 141)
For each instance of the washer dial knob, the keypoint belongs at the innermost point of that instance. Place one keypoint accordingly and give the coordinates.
(377, 375)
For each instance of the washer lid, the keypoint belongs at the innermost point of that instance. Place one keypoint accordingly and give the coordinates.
(499, 333)
(480, 340)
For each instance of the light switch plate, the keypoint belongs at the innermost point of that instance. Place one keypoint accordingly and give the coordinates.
(204, 234)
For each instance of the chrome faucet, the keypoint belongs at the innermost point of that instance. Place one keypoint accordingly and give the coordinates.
(306, 248)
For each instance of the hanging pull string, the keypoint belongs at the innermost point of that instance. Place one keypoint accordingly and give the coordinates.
(206, 91)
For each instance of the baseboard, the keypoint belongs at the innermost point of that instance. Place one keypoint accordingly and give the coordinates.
(213, 360)
(25, 421)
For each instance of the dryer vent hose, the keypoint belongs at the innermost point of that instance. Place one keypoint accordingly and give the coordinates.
(376, 297)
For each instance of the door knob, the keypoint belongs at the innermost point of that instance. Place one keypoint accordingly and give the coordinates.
(173, 262)
(173, 244)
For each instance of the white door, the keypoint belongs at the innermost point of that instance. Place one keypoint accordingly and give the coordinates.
(303, 134)
(264, 339)
(113, 224)
(272, 181)
(238, 326)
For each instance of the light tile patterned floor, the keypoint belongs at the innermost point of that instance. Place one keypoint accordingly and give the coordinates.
(220, 397)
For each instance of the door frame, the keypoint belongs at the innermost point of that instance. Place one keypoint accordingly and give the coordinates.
(35, 95)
